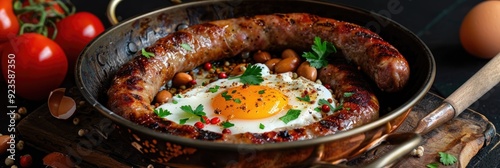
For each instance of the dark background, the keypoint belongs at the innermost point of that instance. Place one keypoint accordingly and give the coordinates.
(437, 23)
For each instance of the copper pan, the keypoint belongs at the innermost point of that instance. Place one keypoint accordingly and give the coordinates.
(100, 60)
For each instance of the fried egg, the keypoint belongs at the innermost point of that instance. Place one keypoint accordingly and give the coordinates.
(279, 102)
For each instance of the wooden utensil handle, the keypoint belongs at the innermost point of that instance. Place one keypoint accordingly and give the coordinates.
(485, 79)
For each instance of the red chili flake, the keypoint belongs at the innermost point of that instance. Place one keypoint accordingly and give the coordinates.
(205, 118)
(330, 101)
(222, 75)
(327, 86)
(306, 92)
(199, 125)
(325, 108)
(207, 66)
(215, 120)
(226, 131)
(192, 82)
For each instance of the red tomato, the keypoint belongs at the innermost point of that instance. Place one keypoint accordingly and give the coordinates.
(75, 32)
(9, 26)
(34, 65)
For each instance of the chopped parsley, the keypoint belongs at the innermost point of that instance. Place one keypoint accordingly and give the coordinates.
(291, 115)
(433, 165)
(197, 112)
(214, 89)
(251, 76)
(348, 94)
(262, 91)
(225, 96)
(183, 121)
(147, 54)
(227, 124)
(305, 98)
(186, 46)
(324, 101)
(321, 49)
(175, 101)
(447, 159)
(237, 100)
(261, 126)
(162, 113)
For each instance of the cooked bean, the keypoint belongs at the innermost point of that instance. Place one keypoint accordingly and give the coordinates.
(289, 53)
(307, 71)
(238, 69)
(289, 64)
(261, 56)
(163, 96)
(272, 63)
(181, 78)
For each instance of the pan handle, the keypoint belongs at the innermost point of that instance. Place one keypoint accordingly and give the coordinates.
(110, 11)
(405, 142)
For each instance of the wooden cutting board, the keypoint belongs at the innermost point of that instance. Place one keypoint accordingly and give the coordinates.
(102, 147)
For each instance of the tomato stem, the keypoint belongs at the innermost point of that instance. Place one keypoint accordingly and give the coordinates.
(41, 14)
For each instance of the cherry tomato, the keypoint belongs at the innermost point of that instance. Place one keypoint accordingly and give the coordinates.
(9, 26)
(34, 65)
(75, 32)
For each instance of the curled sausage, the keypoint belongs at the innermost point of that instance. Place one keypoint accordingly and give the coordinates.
(136, 83)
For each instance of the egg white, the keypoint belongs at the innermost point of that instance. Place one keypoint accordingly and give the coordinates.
(291, 88)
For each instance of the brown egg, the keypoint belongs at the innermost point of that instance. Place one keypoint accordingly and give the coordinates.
(480, 30)
(61, 106)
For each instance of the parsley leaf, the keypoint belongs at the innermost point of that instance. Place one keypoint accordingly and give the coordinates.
(147, 54)
(162, 113)
(183, 121)
(433, 165)
(447, 159)
(321, 49)
(261, 126)
(262, 91)
(186, 46)
(305, 98)
(198, 111)
(348, 94)
(324, 101)
(292, 114)
(225, 96)
(227, 124)
(251, 76)
(175, 101)
(214, 89)
(237, 101)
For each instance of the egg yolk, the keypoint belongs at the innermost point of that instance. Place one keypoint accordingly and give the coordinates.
(249, 102)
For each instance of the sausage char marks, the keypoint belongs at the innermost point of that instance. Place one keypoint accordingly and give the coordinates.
(137, 82)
